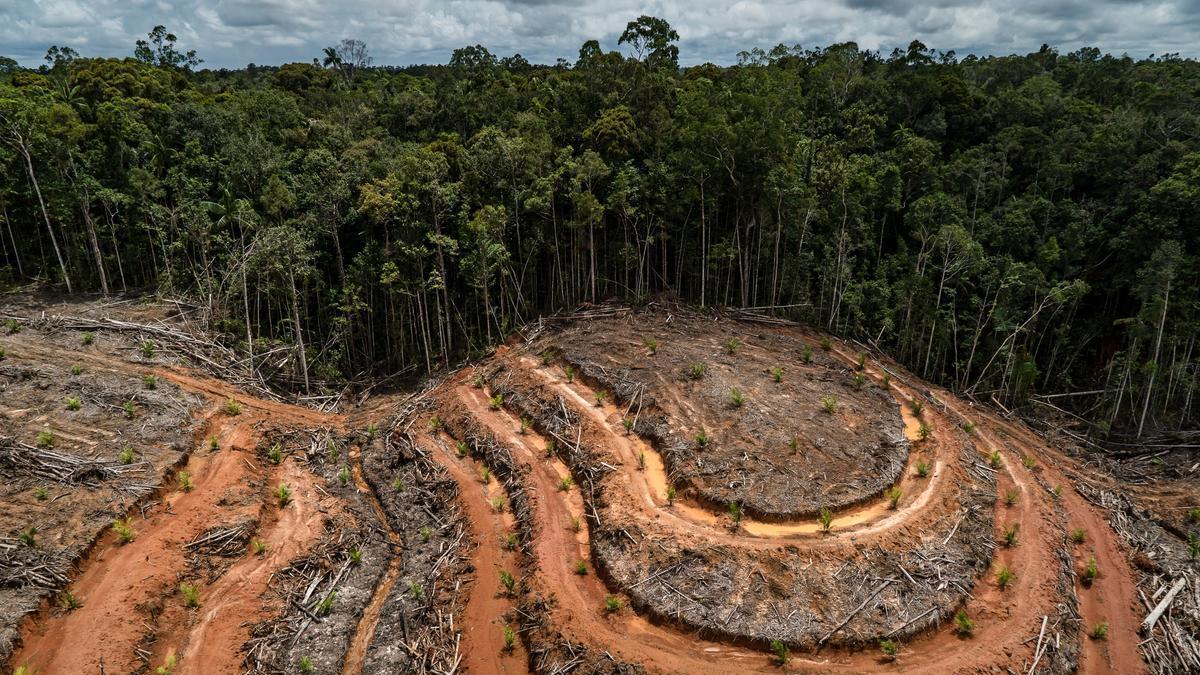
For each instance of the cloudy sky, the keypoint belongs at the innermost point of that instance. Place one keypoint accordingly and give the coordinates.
(232, 33)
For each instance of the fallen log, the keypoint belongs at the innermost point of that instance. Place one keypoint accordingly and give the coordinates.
(1157, 612)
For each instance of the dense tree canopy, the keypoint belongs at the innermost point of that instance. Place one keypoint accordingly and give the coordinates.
(1007, 226)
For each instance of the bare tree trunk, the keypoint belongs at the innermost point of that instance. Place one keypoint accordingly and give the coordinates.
(299, 332)
(1162, 322)
(45, 215)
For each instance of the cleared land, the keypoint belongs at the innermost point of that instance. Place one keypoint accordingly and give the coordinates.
(615, 492)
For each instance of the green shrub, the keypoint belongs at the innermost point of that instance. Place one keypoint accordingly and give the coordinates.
(612, 604)
(894, 494)
(126, 455)
(76, 370)
(963, 624)
(1078, 536)
(88, 338)
(232, 407)
(696, 371)
(781, 651)
(45, 439)
(150, 382)
(1100, 631)
(825, 517)
(283, 494)
(731, 346)
(72, 403)
(736, 398)
(191, 595)
(1004, 577)
(830, 403)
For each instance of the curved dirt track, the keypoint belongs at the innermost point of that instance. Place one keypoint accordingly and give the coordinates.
(122, 584)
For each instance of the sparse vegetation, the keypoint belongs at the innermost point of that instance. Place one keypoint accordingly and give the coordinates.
(478, 381)
(1193, 515)
(547, 357)
(12, 326)
(859, 379)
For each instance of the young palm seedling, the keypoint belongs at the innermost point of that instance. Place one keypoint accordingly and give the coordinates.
(696, 371)
(415, 590)
(731, 346)
(496, 401)
(462, 448)
(356, 555)
(426, 532)
(825, 517)
(275, 454)
(565, 484)
(45, 439)
(511, 541)
(1100, 631)
(485, 475)
(735, 513)
(807, 354)
(130, 409)
(777, 374)
(258, 546)
(124, 530)
(498, 503)
(651, 346)
(894, 494)
(510, 639)
(670, 495)
(702, 439)
(148, 349)
(994, 459)
(232, 407)
(72, 403)
(67, 601)
(1010, 497)
(1004, 577)
(306, 664)
(859, 379)
(185, 481)
(963, 625)
(325, 606)
(1028, 462)
(736, 398)
(968, 427)
(150, 382)
(435, 424)
(1090, 571)
(191, 595)
(213, 444)
(88, 338)
(924, 431)
(508, 581)
(41, 494)
(627, 422)
(581, 567)
(283, 495)
(576, 524)
(344, 475)
(922, 469)
(889, 649)
(826, 343)
(76, 370)
(612, 604)
(830, 403)
(1078, 536)
(398, 484)
(781, 651)
(1010, 535)
(916, 406)
(569, 371)
(600, 397)
(526, 425)
(793, 445)
(29, 537)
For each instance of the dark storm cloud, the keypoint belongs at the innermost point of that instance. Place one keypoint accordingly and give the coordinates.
(235, 32)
